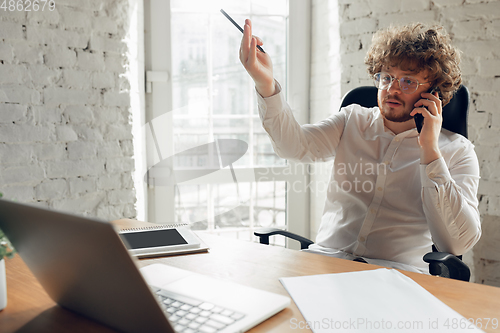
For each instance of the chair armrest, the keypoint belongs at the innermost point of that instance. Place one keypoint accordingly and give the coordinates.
(264, 234)
(447, 265)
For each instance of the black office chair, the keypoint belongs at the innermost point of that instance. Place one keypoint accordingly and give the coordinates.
(454, 119)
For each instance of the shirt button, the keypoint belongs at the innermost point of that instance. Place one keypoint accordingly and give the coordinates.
(362, 239)
(432, 175)
(397, 139)
(386, 162)
(373, 210)
(379, 188)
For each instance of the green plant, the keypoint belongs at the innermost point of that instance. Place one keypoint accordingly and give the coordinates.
(6, 248)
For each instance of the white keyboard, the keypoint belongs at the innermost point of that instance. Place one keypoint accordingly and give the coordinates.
(189, 315)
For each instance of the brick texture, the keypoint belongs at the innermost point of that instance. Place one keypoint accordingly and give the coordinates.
(65, 136)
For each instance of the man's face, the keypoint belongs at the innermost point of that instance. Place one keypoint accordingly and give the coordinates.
(393, 103)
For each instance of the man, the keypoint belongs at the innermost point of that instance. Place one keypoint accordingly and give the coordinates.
(393, 191)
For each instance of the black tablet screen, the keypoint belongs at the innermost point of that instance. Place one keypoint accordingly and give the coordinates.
(153, 238)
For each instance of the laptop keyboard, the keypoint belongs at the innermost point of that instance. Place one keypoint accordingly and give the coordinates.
(189, 315)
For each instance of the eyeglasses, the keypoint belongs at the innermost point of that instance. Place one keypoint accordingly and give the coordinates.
(407, 84)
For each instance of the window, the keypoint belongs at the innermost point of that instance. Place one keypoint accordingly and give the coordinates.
(210, 136)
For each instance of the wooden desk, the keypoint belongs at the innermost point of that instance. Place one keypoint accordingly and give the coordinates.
(29, 308)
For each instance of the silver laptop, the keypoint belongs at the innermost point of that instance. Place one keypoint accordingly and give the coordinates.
(83, 266)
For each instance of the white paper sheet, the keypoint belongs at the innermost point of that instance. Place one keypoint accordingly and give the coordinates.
(381, 300)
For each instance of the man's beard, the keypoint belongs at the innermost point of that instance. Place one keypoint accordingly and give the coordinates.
(392, 116)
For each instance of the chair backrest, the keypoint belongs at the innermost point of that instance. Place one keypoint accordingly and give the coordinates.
(455, 113)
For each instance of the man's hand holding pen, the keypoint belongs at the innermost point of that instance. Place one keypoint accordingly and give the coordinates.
(257, 64)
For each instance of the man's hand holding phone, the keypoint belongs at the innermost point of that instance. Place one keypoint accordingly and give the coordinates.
(430, 107)
(258, 64)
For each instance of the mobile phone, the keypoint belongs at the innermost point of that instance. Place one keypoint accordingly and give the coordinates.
(238, 26)
(419, 119)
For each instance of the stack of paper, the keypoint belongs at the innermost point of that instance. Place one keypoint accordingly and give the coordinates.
(378, 300)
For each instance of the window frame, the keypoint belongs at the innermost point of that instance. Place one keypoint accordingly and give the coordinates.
(160, 205)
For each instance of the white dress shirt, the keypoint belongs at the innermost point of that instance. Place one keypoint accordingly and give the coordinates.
(381, 202)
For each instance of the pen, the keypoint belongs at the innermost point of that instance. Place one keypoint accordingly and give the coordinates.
(238, 26)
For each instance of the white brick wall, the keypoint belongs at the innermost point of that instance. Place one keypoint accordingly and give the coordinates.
(65, 137)
(475, 29)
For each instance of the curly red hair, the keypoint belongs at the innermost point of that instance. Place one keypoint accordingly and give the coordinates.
(416, 47)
